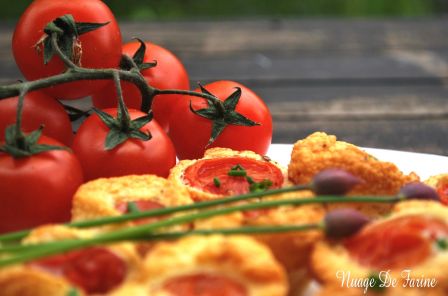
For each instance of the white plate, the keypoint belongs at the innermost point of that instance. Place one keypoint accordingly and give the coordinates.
(425, 165)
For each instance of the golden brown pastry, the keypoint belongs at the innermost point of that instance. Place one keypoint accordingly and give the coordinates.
(91, 271)
(208, 178)
(440, 183)
(213, 265)
(291, 249)
(407, 246)
(320, 151)
(110, 196)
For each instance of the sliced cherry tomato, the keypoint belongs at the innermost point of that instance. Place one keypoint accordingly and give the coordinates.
(101, 48)
(134, 156)
(38, 109)
(168, 74)
(442, 190)
(399, 243)
(204, 285)
(205, 173)
(191, 133)
(37, 189)
(95, 270)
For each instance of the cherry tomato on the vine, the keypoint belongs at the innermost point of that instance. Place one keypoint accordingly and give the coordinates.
(134, 156)
(190, 132)
(38, 109)
(169, 73)
(100, 48)
(37, 189)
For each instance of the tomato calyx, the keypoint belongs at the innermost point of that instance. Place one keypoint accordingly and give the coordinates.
(222, 113)
(67, 32)
(123, 128)
(138, 59)
(18, 145)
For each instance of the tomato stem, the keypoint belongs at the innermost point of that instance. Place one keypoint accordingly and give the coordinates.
(186, 92)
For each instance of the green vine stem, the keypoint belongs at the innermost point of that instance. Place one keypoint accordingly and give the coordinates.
(75, 73)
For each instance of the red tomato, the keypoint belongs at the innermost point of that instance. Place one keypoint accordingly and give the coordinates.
(100, 48)
(37, 189)
(442, 190)
(203, 172)
(38, 109)
(134, 156)
(190, 133)
(96, 270)
(399, 243)
(204, 285)
(168, 74)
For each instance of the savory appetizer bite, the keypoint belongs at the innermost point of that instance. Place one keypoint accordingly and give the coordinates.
(224, 172)
(440, 183)
(291, 249)
(408, 249)
(90, 271)
(119, 195)
(320, 151)
(208, 265)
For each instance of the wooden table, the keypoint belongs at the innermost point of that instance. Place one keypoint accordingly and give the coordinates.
(375, 83)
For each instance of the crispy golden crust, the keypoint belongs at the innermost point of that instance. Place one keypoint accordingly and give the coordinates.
(177, 172)
(320, 151)
(99, 197)
(437, 180)
(24, 280)
(337, 259)
(238, 257)
(291, 249)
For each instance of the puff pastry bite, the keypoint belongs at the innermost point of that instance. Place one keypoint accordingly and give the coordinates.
(320, 151)
(411, 244)
(110, 196)
(213, 265)
(440, 183)
(91, 271)
(208, 178)
(291, 249)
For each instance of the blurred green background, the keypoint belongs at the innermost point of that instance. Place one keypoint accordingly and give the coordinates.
(225, 9)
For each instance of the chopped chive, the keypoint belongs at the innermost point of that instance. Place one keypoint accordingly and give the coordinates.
(237, 173)
(260, 186)
(72, 292)
(442, 244)
(217, 182)
(237, 167)
(132, 207)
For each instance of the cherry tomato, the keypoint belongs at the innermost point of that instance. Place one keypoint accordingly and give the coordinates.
(211, 175)
(204, 285)
(168, 74)
(38, 109)
(37, 189)
(134, 156)
(190, 132)
(442, 190)
(399, 243)
(100, 48)
(96, 270)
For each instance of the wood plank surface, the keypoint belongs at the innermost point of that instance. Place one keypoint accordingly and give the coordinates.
(377, 83)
